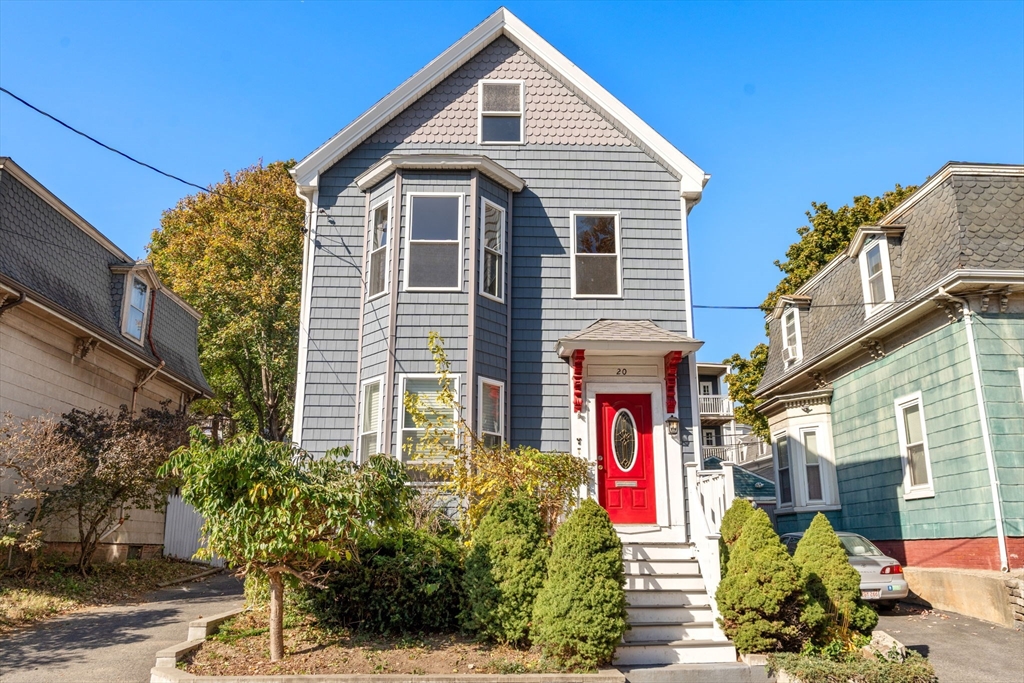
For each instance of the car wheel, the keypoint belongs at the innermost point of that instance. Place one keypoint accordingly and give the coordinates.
(885, 605)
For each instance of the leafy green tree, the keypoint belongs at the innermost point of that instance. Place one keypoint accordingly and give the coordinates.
(732, 524)
(761, 598)
(235, 254)
(271, 508)
(580, 613)
(828, 234)
(831, 584)
(505, 569)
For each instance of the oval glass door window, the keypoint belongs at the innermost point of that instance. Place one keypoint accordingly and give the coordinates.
(624, 439)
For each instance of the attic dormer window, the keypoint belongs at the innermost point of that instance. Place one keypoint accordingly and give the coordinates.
(501, 112)
(135, 315)
(876, 277)
(792, 345)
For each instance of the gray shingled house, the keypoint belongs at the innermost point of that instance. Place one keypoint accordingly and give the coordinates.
(894, 387)
(84, 325)
(504, 199)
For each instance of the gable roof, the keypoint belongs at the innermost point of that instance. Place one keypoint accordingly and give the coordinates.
(625, 335)
(502, 22)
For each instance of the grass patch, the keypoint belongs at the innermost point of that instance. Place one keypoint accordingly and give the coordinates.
(58, 590)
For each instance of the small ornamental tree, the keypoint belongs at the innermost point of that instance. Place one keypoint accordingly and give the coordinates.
(580, 613)
(761, 597)
(270, 507)
(732, 524)
(831, 585)
(505, 569)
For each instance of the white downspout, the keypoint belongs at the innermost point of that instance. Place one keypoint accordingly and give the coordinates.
(308, 254)
(986, 437)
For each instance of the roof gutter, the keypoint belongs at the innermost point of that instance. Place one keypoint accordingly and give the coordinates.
(6, 306)
(986, 437)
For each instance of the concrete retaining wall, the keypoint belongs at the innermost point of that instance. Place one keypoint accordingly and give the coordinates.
(978, 594)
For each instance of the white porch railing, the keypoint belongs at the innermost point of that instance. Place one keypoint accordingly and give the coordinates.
(720, 452)
(710, 494)
(715, 404)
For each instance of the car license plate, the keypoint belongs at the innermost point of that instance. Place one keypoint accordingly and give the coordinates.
(870, 595)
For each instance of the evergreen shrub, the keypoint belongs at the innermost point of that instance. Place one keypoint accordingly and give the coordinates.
(580, 613)
(761, 598)
(505, 569)
(732, 525)
(405, 581)
(831, 584)
(853, 669)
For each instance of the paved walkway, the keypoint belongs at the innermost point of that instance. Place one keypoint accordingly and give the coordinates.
(962, 649)
(113, 644)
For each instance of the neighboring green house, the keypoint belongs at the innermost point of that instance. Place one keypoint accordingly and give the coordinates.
(895, 376)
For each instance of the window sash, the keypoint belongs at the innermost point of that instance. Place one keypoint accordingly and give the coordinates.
(785, 480)
(812, 466)
(136, 308)
(596, 251)
(432, 263)
(369, 436)
(492, 237)
(790, 335)
(501, 111)
(492, 412)
(914, 447)
(427, 389)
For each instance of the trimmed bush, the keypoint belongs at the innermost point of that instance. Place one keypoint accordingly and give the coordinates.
(580, 614)
(405, 581)
(505, 569)
(761, 598)
(732, 524)
(831, 584)
(854, 669)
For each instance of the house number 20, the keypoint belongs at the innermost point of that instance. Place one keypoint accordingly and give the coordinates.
(621, 371)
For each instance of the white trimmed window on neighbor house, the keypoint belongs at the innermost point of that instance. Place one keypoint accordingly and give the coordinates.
(433, 259)
(805, 473)
(136, 309)
(913, 438)
(492, 237)
(596, 250)
(792, 342)
(876, 276)
(501, 105)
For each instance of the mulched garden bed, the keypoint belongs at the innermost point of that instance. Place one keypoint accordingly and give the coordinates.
(57, 590)
(242, 647)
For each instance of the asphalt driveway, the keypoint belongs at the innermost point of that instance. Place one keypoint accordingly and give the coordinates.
(113, 644)
(962, 650)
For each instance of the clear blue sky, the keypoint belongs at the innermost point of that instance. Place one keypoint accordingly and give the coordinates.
(783, 103)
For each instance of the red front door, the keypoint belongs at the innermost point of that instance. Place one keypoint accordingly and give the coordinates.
(625, 455)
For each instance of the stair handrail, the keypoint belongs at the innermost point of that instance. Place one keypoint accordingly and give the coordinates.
(710, 493)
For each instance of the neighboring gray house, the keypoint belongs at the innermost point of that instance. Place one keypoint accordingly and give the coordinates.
(503, 199)
(84, 325)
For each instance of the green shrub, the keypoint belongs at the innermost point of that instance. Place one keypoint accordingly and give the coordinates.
(761, 597)
(732, 524)
(853, 669)
(404, 581)
(831, 584)
(580, 614)
(505, 569)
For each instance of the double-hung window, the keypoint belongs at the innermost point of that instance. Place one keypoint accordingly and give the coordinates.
(792, 345)
(430, 416)
(812, 465)
(785, 476)
(369, 424)
(434, 250)
(380, 227)
(596, 266)
(501, 112)
(492, 237)
(876, 277)
(492, 412)
(910, 429)
(135, 316)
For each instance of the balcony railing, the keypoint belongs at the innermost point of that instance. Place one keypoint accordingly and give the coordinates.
(715, 404)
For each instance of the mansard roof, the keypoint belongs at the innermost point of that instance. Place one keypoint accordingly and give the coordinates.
(503, 23)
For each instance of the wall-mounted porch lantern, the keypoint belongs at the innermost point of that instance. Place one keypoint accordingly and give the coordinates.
(672, 423)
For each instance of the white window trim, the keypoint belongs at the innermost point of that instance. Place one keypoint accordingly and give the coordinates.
(920, 491)
(704, 432)
(709, 385)
(480, 111)
(129, 278)
(501, 408)
(775, 464)
(483, 249)
(799, 348)
(826, 468)
(883, 253)
(387, 249)
(360, 456)
(408, 241)
(402, 380)
(572, 251)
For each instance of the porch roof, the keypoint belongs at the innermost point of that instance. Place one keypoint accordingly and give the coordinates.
(623, 336)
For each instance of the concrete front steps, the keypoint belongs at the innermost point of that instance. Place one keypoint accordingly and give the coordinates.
(670, 615)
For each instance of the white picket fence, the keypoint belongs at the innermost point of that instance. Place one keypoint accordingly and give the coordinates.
(182, 530)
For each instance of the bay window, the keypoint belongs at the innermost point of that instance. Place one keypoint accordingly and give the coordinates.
(434, 248)
(492, 412)
(369, 423)
(492, 239)
(425, 392)
(380, 227)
